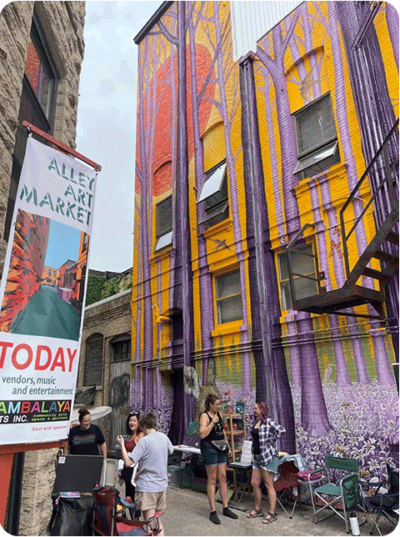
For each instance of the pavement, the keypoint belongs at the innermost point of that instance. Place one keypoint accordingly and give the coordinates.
(187, 514)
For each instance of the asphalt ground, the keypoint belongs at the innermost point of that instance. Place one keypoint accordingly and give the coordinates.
(187, 514)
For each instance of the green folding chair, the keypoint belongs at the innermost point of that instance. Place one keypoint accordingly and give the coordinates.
(338, 484)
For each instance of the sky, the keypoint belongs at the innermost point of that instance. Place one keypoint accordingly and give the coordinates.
(106, 126)
(63, 244)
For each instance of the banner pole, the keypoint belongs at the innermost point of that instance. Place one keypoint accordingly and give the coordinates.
(63, 147)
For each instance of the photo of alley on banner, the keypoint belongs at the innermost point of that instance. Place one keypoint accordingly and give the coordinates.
(42, 295)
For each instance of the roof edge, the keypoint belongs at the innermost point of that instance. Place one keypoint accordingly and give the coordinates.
(152, 21)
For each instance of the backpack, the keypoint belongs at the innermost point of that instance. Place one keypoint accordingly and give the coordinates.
(105, 502)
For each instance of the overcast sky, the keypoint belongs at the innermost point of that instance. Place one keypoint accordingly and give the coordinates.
(107, 123)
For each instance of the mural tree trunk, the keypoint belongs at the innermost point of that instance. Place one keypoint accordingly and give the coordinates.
(312, 395)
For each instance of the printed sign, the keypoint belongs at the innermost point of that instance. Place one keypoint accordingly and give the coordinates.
(42, 295)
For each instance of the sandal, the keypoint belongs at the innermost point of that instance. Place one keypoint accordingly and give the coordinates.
(255, 513)
(271, 517)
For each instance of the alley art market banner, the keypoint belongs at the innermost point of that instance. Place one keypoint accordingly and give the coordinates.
(42, 295)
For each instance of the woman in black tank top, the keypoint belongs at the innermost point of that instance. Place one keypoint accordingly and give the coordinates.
(214, 450)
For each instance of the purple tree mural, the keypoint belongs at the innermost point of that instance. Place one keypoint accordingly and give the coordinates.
(314, 414)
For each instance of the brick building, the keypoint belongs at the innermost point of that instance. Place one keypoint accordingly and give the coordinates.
(105, 358)
(41, 52)
(248, 278)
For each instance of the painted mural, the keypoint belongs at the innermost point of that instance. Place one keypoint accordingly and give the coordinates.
(39, 299)
(228, 171)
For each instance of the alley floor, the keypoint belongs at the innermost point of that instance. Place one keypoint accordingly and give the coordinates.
(187, 515)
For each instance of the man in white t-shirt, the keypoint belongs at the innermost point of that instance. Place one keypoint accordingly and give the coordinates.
(151, 453)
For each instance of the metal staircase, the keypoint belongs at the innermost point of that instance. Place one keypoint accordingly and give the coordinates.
(383, 176)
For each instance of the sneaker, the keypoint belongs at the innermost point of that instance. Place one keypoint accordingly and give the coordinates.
(227, 512)
(214, 518)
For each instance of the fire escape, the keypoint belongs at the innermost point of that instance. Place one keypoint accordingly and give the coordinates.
(382, 179)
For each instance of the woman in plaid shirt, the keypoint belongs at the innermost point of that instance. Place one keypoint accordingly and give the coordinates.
(264, 434)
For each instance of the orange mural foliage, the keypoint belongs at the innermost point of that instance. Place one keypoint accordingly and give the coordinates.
(164, 128)
(26, 265)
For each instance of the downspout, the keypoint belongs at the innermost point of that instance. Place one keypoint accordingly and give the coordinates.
(183, 178)
(247, 64)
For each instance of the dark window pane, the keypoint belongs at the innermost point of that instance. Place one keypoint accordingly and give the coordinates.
(177, 326)
(315, 125)
(164, 217)
(94, 360)
(121, 350)
(301, 264)
(30, 109)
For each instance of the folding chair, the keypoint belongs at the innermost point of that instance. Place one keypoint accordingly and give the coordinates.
(287, 483)
(136, 528)
(386, 505)
(329, 494)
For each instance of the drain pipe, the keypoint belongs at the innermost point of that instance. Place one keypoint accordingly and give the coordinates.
(247, 64)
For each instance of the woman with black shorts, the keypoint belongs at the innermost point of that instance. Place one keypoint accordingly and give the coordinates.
(214, 451)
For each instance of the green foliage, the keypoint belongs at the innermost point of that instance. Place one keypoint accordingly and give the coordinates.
(110, 288)
(117, 285)
(94, 288)
(100, 288)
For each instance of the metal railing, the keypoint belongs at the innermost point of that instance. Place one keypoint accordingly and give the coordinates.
(384, 194)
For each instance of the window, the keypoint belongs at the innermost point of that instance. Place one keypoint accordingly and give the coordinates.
(317, 147)
(94, 360)
(163, 224)
(228, 297)
(39, 84)
(121, 350)
(37, 106)
(302, 263)
(214, 192)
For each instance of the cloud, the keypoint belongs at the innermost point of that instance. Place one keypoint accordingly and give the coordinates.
(106, 126)
(107, 87)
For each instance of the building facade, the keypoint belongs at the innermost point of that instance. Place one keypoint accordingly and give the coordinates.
(41, 51)
(239, 162)
(105, 362)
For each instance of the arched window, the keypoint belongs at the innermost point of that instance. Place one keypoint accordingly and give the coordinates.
(94, 360)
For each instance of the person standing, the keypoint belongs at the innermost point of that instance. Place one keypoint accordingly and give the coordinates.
(264, 434)
(214, 451)
(134, 434)
(85, 438)
(152, 477)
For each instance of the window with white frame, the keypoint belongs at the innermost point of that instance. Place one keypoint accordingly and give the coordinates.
(163, 224)
(214, 192)
(303, 262)
(317, 145)
(228, 297)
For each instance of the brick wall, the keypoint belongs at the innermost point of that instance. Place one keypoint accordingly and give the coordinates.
(110, 317)
(62, 26)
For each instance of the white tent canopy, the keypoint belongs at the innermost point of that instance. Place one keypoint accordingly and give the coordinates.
(96, 412)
